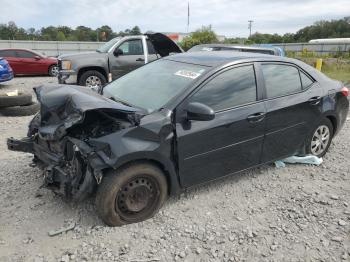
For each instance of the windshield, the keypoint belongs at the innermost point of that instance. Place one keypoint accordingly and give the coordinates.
(106, 46)
(152, 86)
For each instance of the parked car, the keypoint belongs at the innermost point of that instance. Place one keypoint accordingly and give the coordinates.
(29, 62)
(114, 59)
(6, 72)
(178, 122)
(269, 50)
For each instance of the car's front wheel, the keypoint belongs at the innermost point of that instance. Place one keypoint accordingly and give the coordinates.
(321, 138)
(53, 70)
(132, 194)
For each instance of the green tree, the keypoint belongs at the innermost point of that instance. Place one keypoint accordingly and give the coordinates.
(60, 36)
(205, 35)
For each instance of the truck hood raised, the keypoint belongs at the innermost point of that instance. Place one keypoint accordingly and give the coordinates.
(63, 106)
(163, 44)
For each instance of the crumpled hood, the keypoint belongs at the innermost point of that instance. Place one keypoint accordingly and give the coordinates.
(63, 106)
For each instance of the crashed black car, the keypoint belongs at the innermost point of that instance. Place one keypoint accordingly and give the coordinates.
(177, 122)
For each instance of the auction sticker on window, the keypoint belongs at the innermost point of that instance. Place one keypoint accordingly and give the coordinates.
(188, 74)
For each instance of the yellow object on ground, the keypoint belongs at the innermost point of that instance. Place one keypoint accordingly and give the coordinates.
(319, 64)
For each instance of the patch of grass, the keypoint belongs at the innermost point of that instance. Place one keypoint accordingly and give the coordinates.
(339, 72)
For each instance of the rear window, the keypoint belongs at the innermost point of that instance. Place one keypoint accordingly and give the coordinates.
(281, 80)
(305, 80)
(7, 53)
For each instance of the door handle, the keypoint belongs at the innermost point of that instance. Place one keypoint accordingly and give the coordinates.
(315, 100)
(140, 60)
(254, 118)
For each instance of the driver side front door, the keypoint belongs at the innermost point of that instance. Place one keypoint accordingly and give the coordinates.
(131, 57)
(233, 140)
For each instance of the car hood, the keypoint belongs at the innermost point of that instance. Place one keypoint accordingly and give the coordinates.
(163, 44)
(63, 106)
(90, 55)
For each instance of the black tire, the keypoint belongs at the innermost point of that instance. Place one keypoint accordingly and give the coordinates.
(92, 73)
(20, 100)
(129, 185)
(324, 122)
(26, 110)
(53, 70)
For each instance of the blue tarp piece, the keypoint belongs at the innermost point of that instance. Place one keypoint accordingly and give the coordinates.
(308, 159)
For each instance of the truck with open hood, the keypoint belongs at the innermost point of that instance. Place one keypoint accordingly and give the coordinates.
(114, 59)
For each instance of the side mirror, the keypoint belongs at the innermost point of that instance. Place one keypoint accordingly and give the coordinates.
(199, 112)
(37, 57)
(117, 52)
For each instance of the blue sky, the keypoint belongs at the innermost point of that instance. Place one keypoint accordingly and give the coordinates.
(228, 17)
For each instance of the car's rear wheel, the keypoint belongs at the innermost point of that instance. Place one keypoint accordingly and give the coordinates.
(93, 79)
(131, 194)
(321, 138)
(53, 70)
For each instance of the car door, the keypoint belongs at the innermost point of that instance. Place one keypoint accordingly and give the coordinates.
(130, 56)
(30, 63)
(233, 140)
(12, 59)
(293, 105)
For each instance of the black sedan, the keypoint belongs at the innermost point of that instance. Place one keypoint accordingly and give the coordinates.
(178, 122)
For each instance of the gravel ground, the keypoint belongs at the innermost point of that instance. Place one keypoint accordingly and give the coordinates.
(296, 213)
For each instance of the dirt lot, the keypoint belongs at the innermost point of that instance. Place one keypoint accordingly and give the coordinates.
(297, 213)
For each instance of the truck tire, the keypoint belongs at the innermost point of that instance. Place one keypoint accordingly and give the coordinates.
(20, 100)
(26, 110)
(92, 78)
(131, 194)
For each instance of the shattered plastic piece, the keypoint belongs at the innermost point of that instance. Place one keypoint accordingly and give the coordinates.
(280, 164)
(61, 230)
(309, 159)
(13, 93)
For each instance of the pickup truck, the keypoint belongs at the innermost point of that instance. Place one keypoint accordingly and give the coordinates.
(113, 59)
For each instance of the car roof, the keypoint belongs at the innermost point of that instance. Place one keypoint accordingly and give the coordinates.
(219, 58)
(234, 46)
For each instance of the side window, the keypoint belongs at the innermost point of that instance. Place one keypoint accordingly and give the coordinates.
(24, 54)
(305, 80)
(232, 88)
(132, 47)
(7, 53)
(151, 50)
(281, 79)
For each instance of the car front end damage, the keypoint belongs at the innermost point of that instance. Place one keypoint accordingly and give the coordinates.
(68, 137)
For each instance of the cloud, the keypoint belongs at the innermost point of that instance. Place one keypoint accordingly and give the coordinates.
(229, 17)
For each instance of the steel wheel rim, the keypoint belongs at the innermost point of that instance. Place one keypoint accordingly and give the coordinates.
(54, 70)
(93, 81)
(320, 140)
(137, 198)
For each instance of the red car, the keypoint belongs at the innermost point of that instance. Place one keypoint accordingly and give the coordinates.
(29, 62)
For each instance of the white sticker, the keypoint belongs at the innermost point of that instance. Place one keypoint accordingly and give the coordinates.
(188, 74)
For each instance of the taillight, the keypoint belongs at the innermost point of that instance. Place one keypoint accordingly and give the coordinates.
(345, 91)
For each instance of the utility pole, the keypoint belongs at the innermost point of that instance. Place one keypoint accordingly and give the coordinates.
(250, 25)
(188, 15)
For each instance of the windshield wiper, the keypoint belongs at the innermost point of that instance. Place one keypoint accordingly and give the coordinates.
(120, 101)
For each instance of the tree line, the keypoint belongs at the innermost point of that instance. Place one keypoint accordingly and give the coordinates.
(11, 31)
(322, 29)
